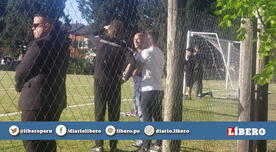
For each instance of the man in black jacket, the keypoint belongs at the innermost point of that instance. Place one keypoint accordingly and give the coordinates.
(41, 76)
(198, 70)
(112, 54)
(189, 69)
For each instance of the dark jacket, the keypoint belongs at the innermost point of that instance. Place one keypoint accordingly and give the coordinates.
(112, 56)
(41, 75)
(198, 65)
(189, 67)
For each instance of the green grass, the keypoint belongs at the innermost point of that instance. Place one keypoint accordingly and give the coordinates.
(80, 91)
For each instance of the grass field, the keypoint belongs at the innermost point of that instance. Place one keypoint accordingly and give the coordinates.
(80, 102)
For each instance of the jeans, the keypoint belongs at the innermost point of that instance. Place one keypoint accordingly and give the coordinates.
(151, 103)
(136, 103)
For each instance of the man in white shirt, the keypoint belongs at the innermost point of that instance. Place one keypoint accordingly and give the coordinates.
(152, 64)
(139, 45)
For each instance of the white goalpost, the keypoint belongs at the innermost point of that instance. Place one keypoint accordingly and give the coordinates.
(219, 50)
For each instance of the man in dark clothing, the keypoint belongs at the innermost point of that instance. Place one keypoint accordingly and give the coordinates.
(189, 69)
(111, 56)
(198, 70)
(41, 76)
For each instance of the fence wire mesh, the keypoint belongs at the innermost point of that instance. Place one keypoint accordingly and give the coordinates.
(88, 18)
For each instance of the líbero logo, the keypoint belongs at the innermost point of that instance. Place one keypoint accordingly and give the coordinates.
(235, 131)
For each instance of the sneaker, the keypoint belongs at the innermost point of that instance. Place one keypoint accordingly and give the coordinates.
(97, 149)
(186, 97)
(210, 94)
(142, 150)
(200, 95)
(130, 114)
(137, 144)
(155, 148)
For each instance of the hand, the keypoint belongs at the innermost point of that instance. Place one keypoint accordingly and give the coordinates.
(106, 27)
(122, 79)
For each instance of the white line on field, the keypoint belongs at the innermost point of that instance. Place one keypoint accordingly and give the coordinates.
(126, 99)
(9, 114)
(79, 96)
(8, 89)
(80, 105)
(71, 106)
(73, 86)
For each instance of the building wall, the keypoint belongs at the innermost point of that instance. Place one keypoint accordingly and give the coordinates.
(78, 46)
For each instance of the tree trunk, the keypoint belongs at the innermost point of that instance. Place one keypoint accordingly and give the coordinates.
(244, 109)
(262, 91)
(175, 61)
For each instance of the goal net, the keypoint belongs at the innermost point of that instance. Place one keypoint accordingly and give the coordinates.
(221, 63)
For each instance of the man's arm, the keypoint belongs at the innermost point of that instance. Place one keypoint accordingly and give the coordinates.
(140, 62)
(95, 37)
(138, 69)
(130, 67)
(28, 67)
(94, 40)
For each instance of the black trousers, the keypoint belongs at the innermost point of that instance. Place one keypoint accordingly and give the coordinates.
(108, 95)
(199, 84)
(45, 114)
(151, 104)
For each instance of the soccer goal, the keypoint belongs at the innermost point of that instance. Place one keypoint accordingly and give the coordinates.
(221, 63)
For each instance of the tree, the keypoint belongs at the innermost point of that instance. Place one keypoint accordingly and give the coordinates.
(100, 13)
(264, 12)
(18, 20)
(234, 10)
(146, 14)
(153, 15)
(2, 13)
(3, 5)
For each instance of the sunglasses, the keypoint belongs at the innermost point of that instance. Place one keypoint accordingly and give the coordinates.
(36, 25)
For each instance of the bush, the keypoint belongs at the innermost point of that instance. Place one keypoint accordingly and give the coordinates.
(80, 66)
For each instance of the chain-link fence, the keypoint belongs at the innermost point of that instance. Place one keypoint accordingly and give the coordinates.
(218, 46)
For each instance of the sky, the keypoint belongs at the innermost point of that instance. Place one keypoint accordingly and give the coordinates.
(72, 10)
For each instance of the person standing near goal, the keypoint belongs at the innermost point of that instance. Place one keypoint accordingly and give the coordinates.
(152, 64)
(111, 55)
(189, 69)
(198, 71)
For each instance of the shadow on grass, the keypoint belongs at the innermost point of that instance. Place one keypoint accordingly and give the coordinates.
(120, 150)
(226, 98)
(211, 112)
(188, 149)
